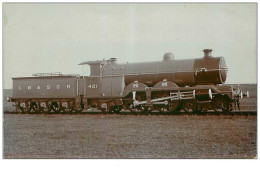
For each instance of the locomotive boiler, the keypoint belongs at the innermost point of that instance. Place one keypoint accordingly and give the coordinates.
(170, 85)
(188, 72)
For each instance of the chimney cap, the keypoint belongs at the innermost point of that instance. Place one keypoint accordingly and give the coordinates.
(207, 50)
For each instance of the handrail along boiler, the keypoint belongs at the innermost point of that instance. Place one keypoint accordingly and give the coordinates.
(171, 85)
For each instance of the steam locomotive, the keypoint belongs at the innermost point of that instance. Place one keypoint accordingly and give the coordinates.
(191, 85)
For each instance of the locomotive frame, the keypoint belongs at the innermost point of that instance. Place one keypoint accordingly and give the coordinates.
(112, 87)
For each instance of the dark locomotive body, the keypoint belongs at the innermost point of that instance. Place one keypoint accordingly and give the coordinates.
(207, 70)
(170, 85)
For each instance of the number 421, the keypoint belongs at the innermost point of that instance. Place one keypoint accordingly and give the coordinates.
(92, 86)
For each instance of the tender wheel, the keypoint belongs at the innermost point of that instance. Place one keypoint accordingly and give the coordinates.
(45, 107)
(190, 106)
(56, 107)
(39, 108)
(221, 104)
(25, 107)
(67, 107)
(17, 106)
(35, 108)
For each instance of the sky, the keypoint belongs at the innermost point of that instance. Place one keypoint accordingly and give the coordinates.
(43, 38)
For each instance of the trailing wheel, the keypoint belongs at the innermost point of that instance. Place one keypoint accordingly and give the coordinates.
(129, 103)
(221, 104)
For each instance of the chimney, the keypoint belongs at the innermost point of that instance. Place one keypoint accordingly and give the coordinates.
(207, 53)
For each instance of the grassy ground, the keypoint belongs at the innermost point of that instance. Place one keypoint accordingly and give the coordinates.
(113, 136)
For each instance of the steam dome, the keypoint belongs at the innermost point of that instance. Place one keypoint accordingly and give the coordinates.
(168, 56)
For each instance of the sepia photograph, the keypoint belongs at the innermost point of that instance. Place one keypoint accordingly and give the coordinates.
(129, 80)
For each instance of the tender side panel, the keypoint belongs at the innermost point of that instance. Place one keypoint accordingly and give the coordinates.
(107, 86)
(45, 87)
(92, 87)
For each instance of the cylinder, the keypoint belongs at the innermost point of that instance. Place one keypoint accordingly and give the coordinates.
(203, 95)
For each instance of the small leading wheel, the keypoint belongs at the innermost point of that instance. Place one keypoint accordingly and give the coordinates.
(190, 106)
(221, 104)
